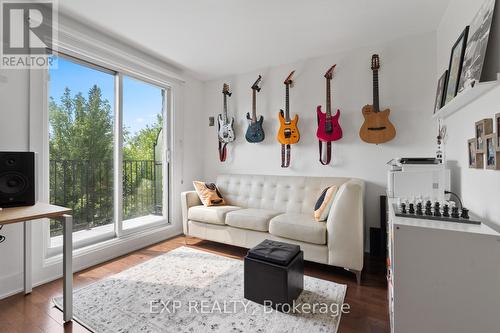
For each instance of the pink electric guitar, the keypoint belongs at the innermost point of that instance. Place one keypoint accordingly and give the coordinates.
(328, 125)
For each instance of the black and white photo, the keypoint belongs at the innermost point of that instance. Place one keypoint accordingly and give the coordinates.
(455, 67)
(438, 103)
(476, 46)
(471, 150)
(490, 150)
(492, 155)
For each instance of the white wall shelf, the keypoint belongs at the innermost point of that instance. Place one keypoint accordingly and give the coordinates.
(465, 98)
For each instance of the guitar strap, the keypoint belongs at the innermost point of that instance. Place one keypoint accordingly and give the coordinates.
(285, 156)
(222, 151)
(328, 152)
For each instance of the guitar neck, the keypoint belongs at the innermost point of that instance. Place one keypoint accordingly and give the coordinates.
(287, 104)
(328, 99)
(376, 106)
(254, 106)
(225, 108)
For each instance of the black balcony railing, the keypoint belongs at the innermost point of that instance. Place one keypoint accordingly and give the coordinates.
(86, 186)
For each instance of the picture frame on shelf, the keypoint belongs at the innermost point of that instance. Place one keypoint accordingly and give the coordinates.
(455, 66)
(497, 129)
(477, 45)
(492, 154)
(482, 128)
(476, 159)
(438, 103)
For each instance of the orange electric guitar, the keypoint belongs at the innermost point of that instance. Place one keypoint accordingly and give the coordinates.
(288, 133)
(377, 127)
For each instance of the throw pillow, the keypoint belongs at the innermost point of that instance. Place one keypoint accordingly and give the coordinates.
(209, 194)
(324, 203)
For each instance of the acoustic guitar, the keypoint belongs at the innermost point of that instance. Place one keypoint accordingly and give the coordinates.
(328, 126)
(255, 132)
(288, 133)
(377, 128)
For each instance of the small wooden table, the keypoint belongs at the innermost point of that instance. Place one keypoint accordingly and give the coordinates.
(37, 212)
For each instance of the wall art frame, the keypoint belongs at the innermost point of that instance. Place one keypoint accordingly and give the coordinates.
(455, 66)
(440, 91)
(492, 154)
(482, 128)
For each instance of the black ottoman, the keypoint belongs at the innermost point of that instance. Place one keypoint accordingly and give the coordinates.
(274, 273)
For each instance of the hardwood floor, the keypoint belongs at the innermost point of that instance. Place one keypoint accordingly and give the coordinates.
(35, 312)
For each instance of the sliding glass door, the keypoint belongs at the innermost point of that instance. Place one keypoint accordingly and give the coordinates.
(143, 153)
(91, 158)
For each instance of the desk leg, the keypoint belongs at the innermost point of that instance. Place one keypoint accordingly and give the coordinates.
(28, 286)
(67, 222)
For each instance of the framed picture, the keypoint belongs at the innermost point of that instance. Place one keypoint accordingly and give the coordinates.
(477, 43)
(475, 158)
(492, 155)
(497, 129)
(438, 103)
(483, 128)
(471, 150)
(455, 67)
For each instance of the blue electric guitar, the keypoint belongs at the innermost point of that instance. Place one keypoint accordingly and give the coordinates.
(255, 132)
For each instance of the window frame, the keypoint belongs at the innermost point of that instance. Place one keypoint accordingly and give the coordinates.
(167, 111)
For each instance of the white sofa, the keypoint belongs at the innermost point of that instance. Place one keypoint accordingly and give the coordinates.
(281, 208)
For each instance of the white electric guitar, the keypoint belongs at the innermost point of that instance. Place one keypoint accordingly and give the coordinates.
(225, 127)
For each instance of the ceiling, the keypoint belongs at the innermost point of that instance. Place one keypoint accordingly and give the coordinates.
(215, 38)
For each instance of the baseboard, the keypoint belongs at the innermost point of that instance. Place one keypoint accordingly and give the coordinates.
(11, 284)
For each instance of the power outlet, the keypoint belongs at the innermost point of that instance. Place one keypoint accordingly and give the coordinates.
(211, 121)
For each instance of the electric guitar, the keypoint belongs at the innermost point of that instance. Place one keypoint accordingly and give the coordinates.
(377, 128)
(255, 132)
(288, 133)
(225, 128)
(328, 125)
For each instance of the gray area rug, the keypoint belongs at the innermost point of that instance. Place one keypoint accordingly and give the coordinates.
(188, 290)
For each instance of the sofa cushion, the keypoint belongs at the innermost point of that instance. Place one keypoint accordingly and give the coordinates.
(209, 194)
(212, 214)
(301, 227)
(324, 203)
(251, 218)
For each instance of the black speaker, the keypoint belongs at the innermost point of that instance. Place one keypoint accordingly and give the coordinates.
(375, 240)
(17, 179)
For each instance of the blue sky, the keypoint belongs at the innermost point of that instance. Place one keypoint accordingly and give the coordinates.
(141, 101)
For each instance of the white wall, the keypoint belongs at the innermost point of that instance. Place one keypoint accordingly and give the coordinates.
(407, 88)
(15, 135)
(480, 189)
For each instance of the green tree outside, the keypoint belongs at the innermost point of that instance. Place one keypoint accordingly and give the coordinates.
(81, 155)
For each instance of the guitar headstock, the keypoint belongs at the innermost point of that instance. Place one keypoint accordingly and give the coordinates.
(329, 73)
(288, 80)
(375, 62)
(225, 89)
(255, 86)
